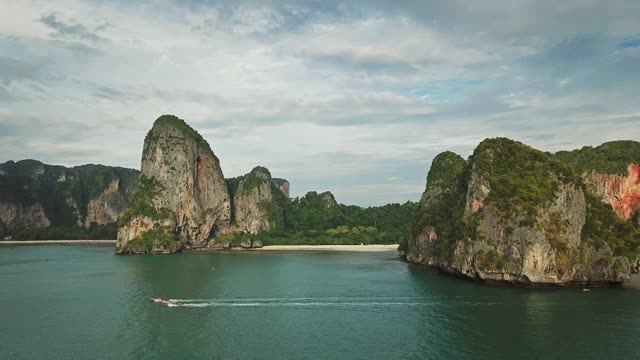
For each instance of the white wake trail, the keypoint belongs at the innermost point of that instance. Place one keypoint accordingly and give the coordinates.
(295, 299)
(363, 304)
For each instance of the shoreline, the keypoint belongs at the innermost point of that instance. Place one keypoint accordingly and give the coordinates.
(633, 283)
(363, 248)
(372, 247)
(58, 242)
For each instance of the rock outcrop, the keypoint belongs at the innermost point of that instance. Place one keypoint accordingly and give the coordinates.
(14, 215)
(256, 202)
(612, 172)
(328, 200)
(109, 204)
(517, 215)
(283, 185)
(182, 200)
(622, 192)
(35, 195)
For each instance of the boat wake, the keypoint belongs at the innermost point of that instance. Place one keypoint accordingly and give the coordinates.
(317, 302)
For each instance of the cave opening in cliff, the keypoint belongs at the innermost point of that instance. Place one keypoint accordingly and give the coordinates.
(212, 233)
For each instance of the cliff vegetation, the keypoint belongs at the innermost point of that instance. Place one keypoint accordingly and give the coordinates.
(609, 158)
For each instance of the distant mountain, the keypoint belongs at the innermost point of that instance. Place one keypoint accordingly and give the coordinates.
(39, 201)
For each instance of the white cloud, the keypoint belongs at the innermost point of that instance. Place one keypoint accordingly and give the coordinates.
(340, 97)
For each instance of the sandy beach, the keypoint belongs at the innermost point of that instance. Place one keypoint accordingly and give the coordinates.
(329, 247)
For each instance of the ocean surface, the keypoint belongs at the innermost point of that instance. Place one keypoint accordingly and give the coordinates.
(83, 302)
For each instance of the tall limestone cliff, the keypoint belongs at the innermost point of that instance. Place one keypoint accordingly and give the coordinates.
(514, 214)
(612, 172)
(36, 196)
(182, 200)
(257, 203)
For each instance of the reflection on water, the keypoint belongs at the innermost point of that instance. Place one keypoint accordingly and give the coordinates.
(92, 304)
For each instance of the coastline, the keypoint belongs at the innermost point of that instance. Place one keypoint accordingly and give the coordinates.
(58, 242)
(373, 247)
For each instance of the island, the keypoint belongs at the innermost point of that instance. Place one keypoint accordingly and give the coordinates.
(513, 214)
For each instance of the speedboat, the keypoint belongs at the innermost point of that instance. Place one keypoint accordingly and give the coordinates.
(165, 302)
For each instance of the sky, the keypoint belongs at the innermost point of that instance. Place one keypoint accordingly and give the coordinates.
(355, 97)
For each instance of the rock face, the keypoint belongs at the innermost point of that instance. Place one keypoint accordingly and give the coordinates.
(620, 191)
(36, 195)
(283, 185)
(612, 172)
(256, 202)
(109, 204)
(514, 214)
(13, 215)
(182, 200)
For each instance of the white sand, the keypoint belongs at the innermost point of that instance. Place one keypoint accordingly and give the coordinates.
(328, 247)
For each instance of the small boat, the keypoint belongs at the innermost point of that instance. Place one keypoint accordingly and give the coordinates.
(165, 302)
(586, 290)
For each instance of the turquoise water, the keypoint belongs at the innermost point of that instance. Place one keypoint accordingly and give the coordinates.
(82, 302)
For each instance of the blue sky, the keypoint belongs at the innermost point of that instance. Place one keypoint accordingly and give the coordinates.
(352, 97)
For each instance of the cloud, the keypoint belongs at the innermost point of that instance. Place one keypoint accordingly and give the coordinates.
(352, 97)
(350, 61)
(630, 43)
(250, 20)
(108, 93)
(74, 31)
